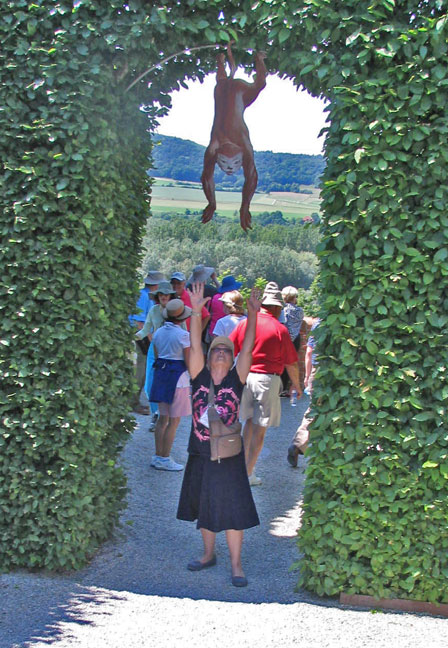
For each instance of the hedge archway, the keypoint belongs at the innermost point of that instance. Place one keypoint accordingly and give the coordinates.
(75, 200)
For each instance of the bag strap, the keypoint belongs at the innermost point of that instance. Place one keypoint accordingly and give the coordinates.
(211, 393)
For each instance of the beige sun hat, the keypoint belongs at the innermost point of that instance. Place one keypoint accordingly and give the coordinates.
(234, 299)
(177, 310)
(272, 295)
(225, 341)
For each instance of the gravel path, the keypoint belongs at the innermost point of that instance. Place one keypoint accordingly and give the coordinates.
(138, 592)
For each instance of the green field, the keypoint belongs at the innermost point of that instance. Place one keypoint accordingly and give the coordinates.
(172, 196)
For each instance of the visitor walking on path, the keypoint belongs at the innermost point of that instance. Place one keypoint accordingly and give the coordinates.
(234, 313)
(217, 493)
(216, 305)
(171, 385)
(273, 352)
(154, 320)
(301, 437)
(291, 317)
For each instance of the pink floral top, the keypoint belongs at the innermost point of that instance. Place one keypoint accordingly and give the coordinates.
(227, 398)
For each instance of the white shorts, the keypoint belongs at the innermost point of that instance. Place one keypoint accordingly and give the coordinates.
(261, 400)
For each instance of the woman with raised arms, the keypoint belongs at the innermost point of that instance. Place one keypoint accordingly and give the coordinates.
(217, 493)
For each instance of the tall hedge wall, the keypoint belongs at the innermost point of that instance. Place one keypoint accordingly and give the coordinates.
(376, 496)
(73, 205)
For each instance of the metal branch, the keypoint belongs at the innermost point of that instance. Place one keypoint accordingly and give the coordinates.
(154, 67)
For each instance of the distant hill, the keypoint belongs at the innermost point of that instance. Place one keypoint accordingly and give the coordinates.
(182, 160)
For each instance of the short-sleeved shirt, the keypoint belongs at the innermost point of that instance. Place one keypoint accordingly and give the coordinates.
(216, 308)
(227, 398)
(273, 348)
(225, 325)
(170, 341)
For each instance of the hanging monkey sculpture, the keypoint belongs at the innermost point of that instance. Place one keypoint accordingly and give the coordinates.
(230, 145)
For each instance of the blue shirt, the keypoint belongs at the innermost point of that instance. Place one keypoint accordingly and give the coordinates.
(144, 304)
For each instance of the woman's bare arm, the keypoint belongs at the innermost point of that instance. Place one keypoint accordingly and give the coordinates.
(245, 356)
(195, 361)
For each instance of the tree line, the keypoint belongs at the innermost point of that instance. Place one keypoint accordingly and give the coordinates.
(285, 254)
(181, 159)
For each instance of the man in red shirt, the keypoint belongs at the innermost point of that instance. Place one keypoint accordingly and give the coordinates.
(272, 353)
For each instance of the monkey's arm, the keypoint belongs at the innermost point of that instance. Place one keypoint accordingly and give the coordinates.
(254, 89)
(231, 61)
(221, 67)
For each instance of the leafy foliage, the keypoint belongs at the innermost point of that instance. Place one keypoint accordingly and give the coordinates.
(376, 507)
(72, 212)
(183, 160)
(310, 300)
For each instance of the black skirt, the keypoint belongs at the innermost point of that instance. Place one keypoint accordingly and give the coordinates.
(217, 495)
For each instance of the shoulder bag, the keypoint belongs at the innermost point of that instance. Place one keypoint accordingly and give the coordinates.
(225, 440)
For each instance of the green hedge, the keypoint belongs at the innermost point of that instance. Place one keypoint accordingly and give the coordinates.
(376, 496)
(73, 207)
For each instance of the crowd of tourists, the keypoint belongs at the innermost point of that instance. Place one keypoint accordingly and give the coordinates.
(202, 352)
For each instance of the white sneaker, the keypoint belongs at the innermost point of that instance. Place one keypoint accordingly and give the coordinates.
(166, 463)
(152, 422)
(154, 461)
(254, 480)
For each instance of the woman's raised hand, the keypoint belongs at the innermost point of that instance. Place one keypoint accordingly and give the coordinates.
(197, 298)
(253, 303)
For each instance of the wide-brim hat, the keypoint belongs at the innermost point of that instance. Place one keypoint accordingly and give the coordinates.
(272, 295)
(154, 277)
(229, 283)
(163, 287)
(200, 274)
(177, 310)
(225, 341)
(234, 299)
(179, 276)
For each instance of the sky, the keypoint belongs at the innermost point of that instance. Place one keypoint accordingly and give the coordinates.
(282, 118)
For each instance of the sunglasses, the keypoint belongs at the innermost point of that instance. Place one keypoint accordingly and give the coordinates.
(222, 348)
